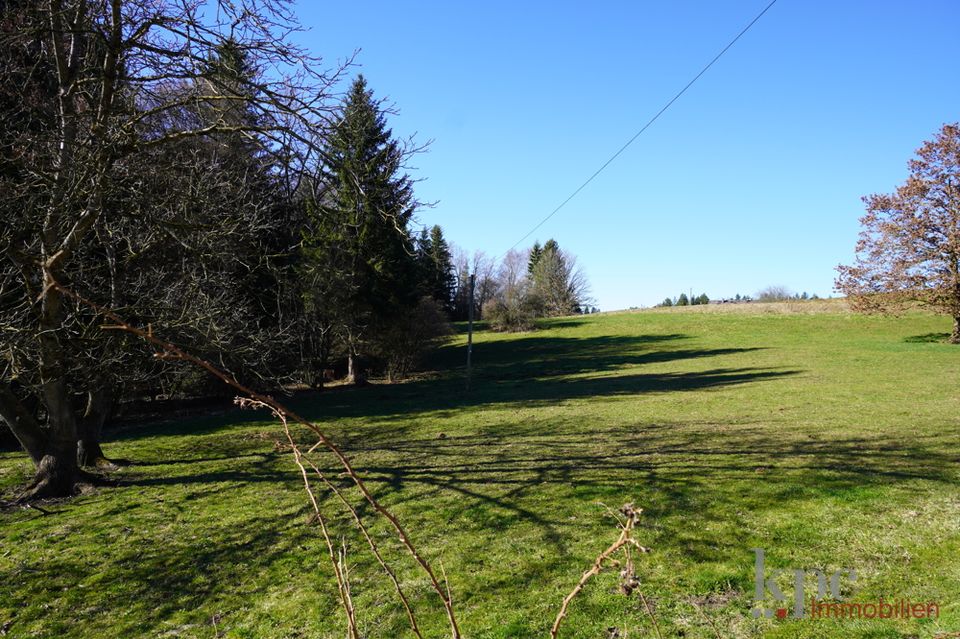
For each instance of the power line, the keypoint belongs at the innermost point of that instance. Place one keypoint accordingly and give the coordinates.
(645, 127)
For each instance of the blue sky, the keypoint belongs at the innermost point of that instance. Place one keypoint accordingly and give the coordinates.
(752, 178)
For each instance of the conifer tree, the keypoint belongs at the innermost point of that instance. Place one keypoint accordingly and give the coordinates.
(558, 286)
(423, 256)
(359, 243)
(119, 197)
(535, 253)
(442, 282)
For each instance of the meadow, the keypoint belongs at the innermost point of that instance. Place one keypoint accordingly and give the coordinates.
(830, 440)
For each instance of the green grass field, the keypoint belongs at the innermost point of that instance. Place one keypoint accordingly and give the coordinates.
(830, 440)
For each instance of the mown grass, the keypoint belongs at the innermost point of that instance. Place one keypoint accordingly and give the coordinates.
(830, 440)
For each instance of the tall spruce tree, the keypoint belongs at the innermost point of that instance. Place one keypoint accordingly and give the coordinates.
(358, 246)
(424, 258)
(442, 283)
(535, 254)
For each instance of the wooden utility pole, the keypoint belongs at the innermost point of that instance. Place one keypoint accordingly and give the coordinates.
(470, 331)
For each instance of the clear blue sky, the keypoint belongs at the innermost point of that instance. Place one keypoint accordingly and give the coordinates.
(752, 178)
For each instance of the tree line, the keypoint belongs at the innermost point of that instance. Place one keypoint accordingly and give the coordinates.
(543, 281)
(195, 172)
(161, 162)
(683, 300)
(768, 294)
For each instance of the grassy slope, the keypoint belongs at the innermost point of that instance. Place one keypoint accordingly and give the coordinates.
(828, 439)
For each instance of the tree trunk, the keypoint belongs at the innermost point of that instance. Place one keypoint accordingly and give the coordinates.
(22, 423)
(955, 336)
(57, 473)
(355, 374)
(52, 449)
(57, 470)
(351, 375)
(99, 405)
(52, 446)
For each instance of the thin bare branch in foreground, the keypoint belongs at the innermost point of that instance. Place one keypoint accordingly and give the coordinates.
(300, 458)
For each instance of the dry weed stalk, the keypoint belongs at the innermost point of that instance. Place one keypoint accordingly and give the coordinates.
(169, 351)
(713, 625)
(629, 582)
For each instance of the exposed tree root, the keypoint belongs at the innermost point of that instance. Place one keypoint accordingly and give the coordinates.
(52, 484)
(106, 465)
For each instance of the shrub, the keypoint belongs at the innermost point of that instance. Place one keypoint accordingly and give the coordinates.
(512, 313)
(407, 340)
(774, 294)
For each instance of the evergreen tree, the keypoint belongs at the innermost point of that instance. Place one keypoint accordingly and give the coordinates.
(443, 282)
(682, 300)
(228, 79)
(358, 245)
(423, 255)
(126, 180)
(535, 253)
(558, 287)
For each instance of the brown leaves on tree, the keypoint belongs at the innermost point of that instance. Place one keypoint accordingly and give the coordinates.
(909, 248)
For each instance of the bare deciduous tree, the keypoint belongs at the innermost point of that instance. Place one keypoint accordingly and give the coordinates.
(486, 283)
(514, 307)
(486, 287)
(774, 293)
(102, 78)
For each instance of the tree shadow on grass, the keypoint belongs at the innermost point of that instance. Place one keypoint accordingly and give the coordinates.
(928, 338)
(685, 477)
(525, 370)
(586, 369)
(537, 369)
(254, 468)
(526, 373)
(163, 579)
(514, 471)
(528, 349)
(564, 322)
